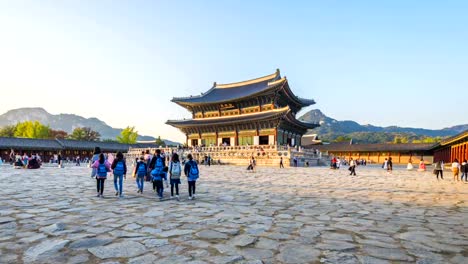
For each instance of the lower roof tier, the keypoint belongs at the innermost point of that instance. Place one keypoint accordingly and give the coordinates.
(284, 113)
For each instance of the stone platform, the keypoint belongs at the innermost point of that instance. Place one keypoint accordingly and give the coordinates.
(292, 215)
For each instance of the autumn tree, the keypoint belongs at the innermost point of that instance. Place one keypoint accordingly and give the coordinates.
(32, 129)
(342, 139)
(85, 133)
(128, 136)
(400, 139)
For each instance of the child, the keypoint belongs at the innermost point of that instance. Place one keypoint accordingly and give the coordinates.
(25, 160)
(157, 173)
(192, 173)
(175, 170)
(120, 171)
(102, 167)
(140, 171)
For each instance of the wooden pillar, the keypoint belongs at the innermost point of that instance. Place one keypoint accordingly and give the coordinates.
(466, 153)
(276, 136)
(399, 157)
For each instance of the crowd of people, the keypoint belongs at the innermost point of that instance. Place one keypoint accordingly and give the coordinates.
(438, 167)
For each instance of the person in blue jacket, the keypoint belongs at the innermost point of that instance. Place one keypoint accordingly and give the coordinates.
(192, 173)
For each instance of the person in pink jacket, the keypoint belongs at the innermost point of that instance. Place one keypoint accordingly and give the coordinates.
(102, 167)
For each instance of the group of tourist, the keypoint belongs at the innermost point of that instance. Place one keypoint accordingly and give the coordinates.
(25, 161)
(146, 168)
(456, 168)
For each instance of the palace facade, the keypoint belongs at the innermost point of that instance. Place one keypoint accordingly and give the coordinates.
(260, 111)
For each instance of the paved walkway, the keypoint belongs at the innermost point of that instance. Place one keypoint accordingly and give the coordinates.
(293, 215)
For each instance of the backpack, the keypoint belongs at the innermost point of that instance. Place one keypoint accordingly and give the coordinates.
(102, 170)
(193, 173)
(158, 166)
(175, 170)
(141, 169)
(119, 168)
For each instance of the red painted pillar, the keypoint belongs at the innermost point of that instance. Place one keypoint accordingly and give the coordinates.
(466, 151)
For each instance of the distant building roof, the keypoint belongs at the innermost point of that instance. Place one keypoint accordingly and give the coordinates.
(450, 140)
(234, 91)
(373, 147)
(59, 144)
(29, 144)
(88, 145)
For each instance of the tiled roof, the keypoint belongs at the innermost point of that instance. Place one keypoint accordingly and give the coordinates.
(220, 93)
(228, 92)
(29, 143)
(59, 144)
(229, 119)
(88, 145)
(462, 135)
(284, 112)
(373, 147)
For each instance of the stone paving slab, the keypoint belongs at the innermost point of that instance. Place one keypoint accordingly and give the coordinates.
(291, 215)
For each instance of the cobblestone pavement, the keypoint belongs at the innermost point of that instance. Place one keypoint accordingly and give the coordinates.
(292, 215)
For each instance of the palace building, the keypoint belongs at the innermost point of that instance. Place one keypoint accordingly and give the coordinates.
(260, 111)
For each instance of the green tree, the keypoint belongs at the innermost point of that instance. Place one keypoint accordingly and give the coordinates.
(342, 139)
(128, 136)
(160, 142)
(32, 129)
(85, 133)
(8, 131)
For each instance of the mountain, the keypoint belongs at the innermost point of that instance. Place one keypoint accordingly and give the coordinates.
(66, 122)
(331, 128)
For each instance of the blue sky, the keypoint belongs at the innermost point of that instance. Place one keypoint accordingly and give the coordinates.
(384, 63)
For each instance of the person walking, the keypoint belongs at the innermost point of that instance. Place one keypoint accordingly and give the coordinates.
(389, 165)
(464, 170)
(385, 164)
(438, 169)
(148, 157)
(175, 170)
(103, 167)
(120, 171)
(281, 162)
(456, 170)
(140, 174)
(157, 173)
(352, 167)
(95, 157)
(192, 173)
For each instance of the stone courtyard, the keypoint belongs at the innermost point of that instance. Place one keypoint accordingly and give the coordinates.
(292, 215)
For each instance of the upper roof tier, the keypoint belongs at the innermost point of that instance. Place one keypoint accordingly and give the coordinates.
(221, 93)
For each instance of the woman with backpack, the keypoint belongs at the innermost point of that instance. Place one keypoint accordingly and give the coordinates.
(157, 173)
(175, 170)
(192, 173)
(140, 174)
(120, 171)
(102, 167)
